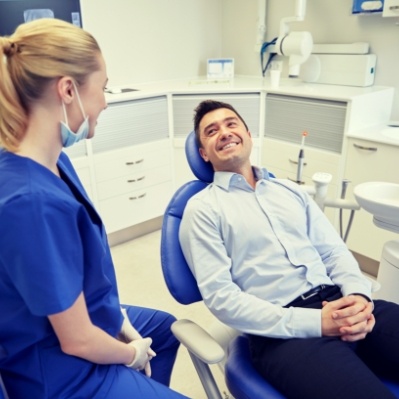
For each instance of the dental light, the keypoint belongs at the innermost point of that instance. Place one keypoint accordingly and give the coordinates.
(295, 45)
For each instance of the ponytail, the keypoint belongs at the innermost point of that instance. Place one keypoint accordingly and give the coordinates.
(13, 117)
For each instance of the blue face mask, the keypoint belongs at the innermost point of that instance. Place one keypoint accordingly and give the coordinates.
(69, 137)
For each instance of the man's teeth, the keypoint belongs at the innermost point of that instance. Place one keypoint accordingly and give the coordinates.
(229, 145)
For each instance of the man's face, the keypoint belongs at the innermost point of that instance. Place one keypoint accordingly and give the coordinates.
(225, 141)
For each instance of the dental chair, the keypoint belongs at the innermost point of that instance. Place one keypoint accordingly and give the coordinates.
(232, 352)
(3, 393)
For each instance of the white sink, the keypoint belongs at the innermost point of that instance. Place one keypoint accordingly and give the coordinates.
(381, 199)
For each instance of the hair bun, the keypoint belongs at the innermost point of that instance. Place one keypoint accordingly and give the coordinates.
(9, 47)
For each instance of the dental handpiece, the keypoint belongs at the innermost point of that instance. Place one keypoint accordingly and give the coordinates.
(301, 160)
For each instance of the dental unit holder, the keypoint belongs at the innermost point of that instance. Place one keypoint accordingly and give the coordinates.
(301, 160)
(297, 46)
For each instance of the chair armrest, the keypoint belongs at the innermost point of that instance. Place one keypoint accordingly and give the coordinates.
(198, 341)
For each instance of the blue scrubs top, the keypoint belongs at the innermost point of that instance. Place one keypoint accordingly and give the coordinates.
(52, 247)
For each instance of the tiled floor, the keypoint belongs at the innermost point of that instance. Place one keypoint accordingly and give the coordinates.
(140, 281)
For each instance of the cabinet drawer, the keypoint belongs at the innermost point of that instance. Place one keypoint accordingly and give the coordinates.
(135, 207)
(131, 161)
(280, 156)
(369, 161)
(134, 181)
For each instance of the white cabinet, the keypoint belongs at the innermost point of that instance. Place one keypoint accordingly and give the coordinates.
(132, 162)
(133, 184)
(287, 117)
(127, 167)
(369, 161)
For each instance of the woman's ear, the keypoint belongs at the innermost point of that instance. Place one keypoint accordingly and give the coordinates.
(65, 89)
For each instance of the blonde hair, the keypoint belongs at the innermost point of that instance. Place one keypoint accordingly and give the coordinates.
(38, 52)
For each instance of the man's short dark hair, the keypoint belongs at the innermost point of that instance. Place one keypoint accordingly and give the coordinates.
(208, 106)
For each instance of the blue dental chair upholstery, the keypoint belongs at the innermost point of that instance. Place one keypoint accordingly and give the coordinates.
(242, 380)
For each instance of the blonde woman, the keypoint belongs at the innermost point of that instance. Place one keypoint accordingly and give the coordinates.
(62, 331)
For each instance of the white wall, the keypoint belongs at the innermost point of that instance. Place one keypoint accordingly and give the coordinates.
(152, 40)
(329, 21)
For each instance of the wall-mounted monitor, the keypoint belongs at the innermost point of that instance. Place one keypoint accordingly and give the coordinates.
(16, 12)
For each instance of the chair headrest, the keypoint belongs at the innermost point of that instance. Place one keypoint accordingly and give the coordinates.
(202, 170)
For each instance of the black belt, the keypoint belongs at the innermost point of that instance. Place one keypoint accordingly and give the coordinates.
(299, 301)
(312, 292)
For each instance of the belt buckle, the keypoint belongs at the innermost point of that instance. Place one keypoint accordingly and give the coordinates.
(304, 296)
(313, 292)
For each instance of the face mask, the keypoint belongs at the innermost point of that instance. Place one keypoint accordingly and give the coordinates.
(69, 137)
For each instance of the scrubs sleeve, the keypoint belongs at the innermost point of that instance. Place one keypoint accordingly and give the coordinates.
(42, 251)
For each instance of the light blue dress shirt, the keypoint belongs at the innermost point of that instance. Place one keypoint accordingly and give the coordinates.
(254, 251)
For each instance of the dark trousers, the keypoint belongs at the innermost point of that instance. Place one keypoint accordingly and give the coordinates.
(328, 368)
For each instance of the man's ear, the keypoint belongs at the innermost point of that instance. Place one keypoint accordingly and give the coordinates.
(65, 89)
(203, 155)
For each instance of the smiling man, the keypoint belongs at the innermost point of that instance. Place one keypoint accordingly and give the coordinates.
(270, 264)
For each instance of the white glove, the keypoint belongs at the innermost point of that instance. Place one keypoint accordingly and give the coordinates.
(141, 357)
(128, 334)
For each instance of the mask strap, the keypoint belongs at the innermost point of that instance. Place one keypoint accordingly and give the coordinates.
(80, 102)
(65, 114)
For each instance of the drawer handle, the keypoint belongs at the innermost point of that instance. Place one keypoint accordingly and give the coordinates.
(135, 162)
(134, 180)
(296, 162)
(361, 147)
(138, 197)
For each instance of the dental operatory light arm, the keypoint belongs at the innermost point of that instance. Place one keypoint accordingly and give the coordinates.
(297, 46)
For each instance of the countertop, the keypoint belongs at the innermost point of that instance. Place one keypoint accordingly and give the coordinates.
(384, 134)
(241, 84)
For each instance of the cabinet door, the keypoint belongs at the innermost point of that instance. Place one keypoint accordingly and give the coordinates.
(369, 161)
(130, 123)
(287, 117)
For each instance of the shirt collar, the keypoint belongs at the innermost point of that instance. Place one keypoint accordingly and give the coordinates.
(225, 179)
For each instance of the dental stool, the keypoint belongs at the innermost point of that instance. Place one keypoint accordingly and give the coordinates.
(242, 380)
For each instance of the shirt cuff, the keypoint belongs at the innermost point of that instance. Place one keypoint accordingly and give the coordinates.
(306, 322)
